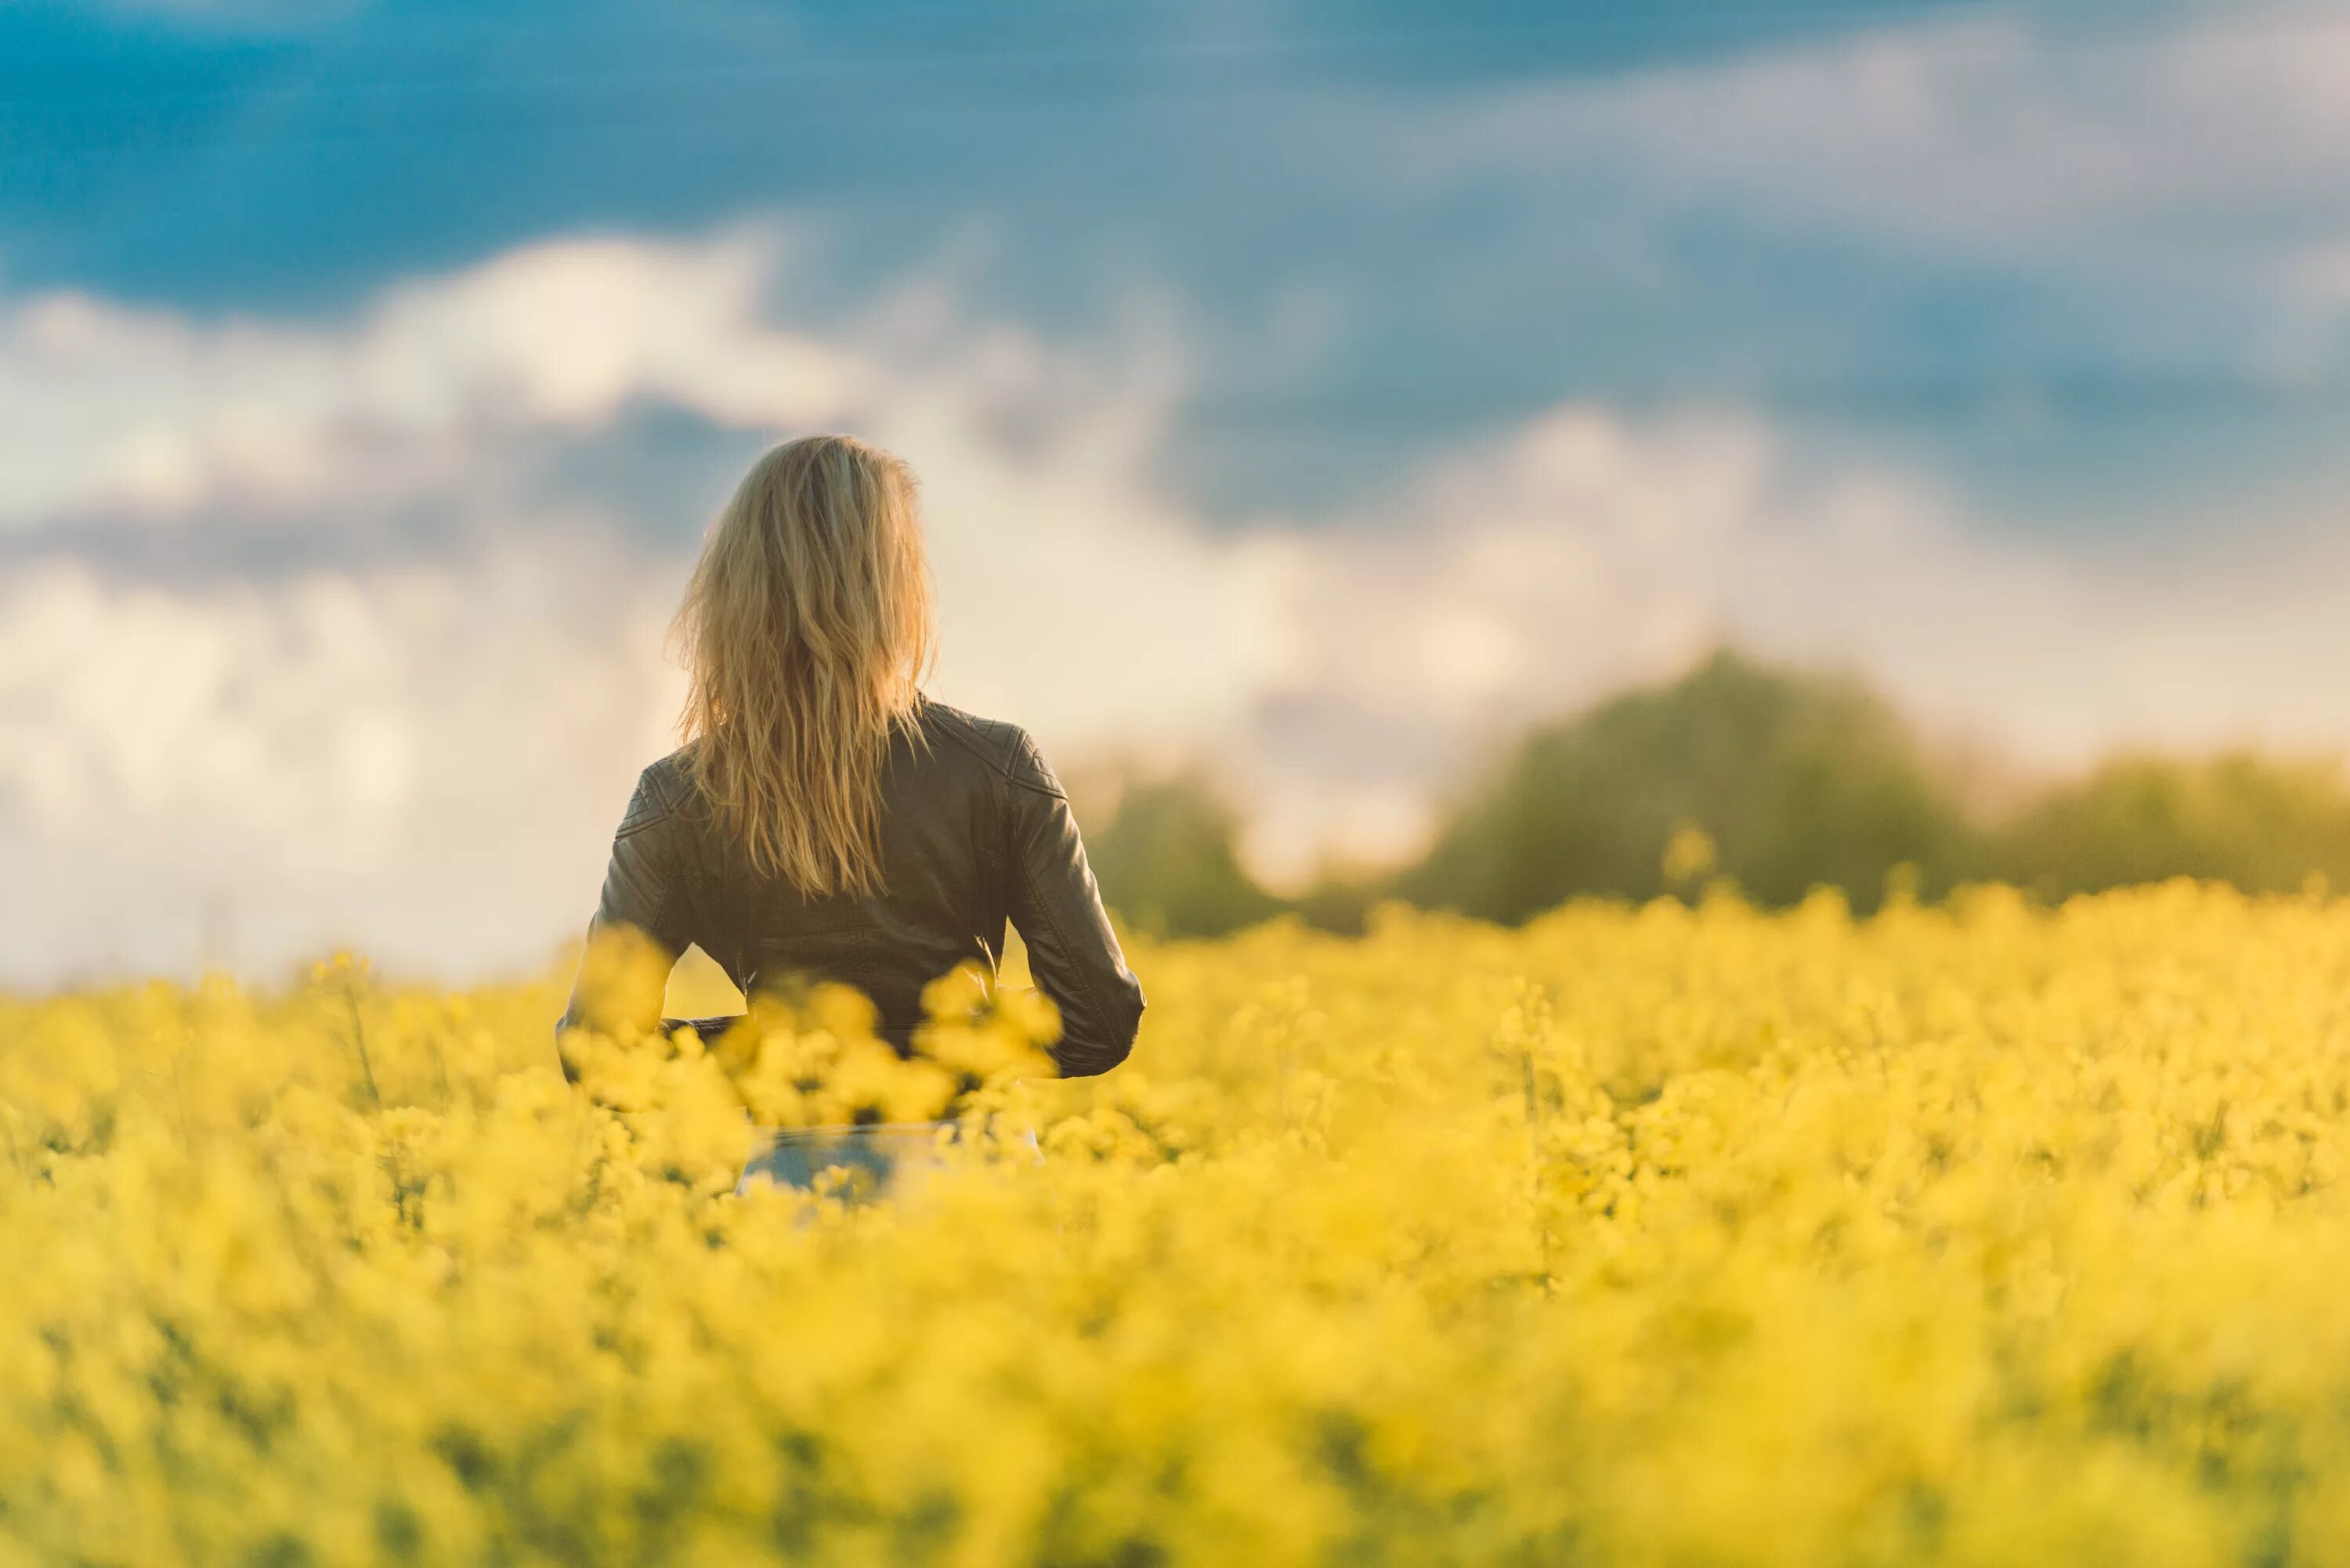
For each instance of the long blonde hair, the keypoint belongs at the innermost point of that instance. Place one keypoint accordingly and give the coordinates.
(806, 629)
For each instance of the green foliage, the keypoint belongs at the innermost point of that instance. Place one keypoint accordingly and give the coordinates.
(1778, 781)
(1165, 862)
(1798, 782)
(1341, 900)
(2263, 823)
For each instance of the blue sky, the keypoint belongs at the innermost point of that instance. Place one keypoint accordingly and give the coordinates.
(1357, 382)
(295, 159)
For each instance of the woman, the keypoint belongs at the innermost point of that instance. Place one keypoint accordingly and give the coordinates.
(824, 820)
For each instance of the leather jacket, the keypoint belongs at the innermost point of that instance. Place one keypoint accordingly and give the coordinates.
(975, 831)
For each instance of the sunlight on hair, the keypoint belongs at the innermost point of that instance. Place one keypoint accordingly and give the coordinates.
(807, 625)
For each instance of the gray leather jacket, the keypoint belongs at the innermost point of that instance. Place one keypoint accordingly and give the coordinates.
(975, 830)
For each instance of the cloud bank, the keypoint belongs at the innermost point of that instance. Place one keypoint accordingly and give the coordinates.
(423, 754)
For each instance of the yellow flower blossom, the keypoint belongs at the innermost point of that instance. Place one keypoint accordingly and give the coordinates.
(1982, 1234)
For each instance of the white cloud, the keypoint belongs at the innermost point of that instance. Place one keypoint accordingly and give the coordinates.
(425, 754)
(1995, 135)
(410, 759)
(115, 410)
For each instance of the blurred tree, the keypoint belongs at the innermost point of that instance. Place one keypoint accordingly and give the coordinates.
(1791, 781)
(2264, 824)
(1341, 897)
(1779, 781)
(1165, 862)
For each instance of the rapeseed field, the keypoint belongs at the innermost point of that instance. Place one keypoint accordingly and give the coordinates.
(1984, 1234)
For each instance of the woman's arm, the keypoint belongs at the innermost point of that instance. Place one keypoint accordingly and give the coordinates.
(639, 929)
(1057, 909)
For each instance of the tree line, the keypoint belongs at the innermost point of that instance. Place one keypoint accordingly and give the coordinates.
(1778, 781)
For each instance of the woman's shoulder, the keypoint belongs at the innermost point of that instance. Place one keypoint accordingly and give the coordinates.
(993, 741)
(665, 788)
(1009, 751)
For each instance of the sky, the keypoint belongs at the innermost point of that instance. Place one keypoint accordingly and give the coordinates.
(1317, 392)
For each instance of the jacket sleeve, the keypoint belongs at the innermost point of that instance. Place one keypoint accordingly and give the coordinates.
(643, 895)
(1057, 909)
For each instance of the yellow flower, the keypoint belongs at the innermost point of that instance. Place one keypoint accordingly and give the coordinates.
(1973, 1234)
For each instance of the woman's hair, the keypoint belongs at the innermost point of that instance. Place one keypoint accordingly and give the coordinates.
(805, 627)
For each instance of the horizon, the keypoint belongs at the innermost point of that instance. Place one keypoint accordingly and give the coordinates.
(1988, 792)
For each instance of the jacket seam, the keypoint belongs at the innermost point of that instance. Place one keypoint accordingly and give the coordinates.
(1019, 775)
(968, 742)
(1007, 764)
(660, 807)
(661, 907)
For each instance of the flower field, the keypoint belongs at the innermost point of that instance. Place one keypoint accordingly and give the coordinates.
(1984, 1235)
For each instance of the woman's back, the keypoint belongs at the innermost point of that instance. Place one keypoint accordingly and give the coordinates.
(824, 821)
(974, 831)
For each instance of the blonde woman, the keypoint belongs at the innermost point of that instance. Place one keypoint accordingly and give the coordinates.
(825, 821)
